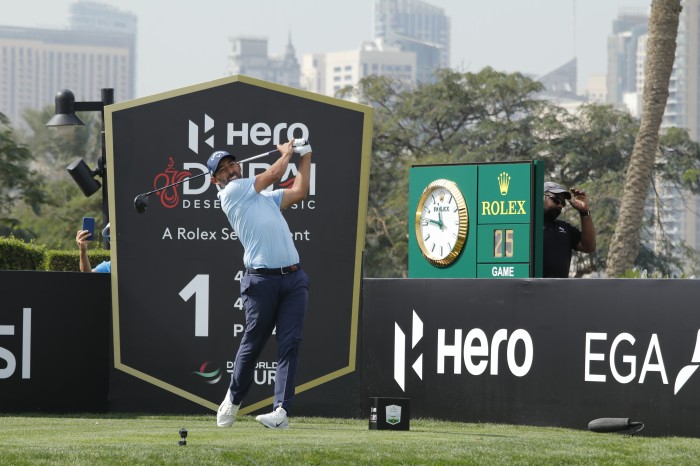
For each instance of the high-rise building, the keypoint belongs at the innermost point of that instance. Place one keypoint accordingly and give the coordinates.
(330, 72)
(622, 47)
(687, 67)
(97, 51)
(561, 80)
(596, 90)
(683, 111)
(313, 72)
(249, 57)
(418, 27)
(560, 87)
(97, 17)
(678, 220)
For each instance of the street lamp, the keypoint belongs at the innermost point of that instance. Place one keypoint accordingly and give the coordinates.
(66, 106)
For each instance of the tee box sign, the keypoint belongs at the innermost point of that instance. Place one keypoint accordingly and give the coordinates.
(178, 317)
(475, 220)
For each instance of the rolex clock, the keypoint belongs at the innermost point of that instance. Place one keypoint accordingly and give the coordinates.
(442, 222)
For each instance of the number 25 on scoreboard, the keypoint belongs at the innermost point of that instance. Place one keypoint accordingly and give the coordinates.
(503, 243)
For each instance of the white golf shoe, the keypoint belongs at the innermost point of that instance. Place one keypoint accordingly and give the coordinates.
(227, 411)
(277, 419)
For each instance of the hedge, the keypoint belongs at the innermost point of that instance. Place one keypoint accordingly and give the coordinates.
(15, 254)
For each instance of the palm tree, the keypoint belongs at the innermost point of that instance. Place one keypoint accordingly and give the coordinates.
(661, 50)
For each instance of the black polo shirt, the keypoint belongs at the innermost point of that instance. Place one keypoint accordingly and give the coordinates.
(560, 238)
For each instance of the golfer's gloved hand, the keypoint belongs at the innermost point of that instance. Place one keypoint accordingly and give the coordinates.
(303, 150)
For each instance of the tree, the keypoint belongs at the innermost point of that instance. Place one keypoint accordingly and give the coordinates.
(463, 117)
(494, 116)
(661, 48)
(55, 148)
(57, 218)
(17, 181)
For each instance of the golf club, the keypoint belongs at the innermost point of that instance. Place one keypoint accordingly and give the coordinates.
(141, 201)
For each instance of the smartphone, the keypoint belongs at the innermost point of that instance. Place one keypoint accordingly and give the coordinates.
(89, 225)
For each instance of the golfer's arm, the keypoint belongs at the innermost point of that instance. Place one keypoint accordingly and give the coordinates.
(300, 188)
(272, 174)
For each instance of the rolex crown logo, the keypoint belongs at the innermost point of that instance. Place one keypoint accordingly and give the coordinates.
(442, 196)
(503, 183)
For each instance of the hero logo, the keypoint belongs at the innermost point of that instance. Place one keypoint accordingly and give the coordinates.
(259, 134)
(241, 134)
(193, 139)
(400, 351)
(630, 361)
(474, 351)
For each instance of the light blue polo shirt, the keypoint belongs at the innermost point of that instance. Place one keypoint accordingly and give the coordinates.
(104, 267)
(258, 221)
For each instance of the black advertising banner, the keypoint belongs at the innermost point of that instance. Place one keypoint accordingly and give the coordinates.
(177, 313)
(54, 341)
(536, 351)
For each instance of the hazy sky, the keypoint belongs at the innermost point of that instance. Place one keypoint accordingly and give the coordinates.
(184, 42)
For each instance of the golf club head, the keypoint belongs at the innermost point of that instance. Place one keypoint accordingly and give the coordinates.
(141, 203)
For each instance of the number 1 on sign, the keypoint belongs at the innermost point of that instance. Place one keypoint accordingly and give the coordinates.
(199, 287)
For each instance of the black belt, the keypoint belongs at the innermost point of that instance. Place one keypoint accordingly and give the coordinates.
(277, 271)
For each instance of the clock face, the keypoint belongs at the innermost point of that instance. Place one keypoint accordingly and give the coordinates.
(441, 222)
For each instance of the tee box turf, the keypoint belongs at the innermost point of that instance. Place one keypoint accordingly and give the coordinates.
(389, 413)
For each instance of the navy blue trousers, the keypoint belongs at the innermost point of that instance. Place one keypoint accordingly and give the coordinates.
(269, 301)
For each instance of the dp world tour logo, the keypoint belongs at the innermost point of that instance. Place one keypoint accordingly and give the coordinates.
(193, 139)
(400, 351)
(210, 377)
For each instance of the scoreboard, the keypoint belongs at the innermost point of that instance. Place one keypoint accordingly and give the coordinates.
(476, 220)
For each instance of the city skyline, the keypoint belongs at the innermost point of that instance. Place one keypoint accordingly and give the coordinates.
(191, 47)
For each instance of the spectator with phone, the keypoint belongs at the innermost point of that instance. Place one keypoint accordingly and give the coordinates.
(83, 238)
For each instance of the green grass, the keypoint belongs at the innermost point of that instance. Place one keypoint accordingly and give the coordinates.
(141, 439)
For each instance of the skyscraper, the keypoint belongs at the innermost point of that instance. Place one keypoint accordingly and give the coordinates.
(683, 111)
(415, 26)
(622, 52)
(97, 51)
(328, 73)
(678, 220)
(249, 57)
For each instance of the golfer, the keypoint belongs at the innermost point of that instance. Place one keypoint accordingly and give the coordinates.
(274, 288)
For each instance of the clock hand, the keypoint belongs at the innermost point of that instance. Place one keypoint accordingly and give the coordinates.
(440, 219)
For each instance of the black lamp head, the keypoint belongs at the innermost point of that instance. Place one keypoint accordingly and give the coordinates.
(65, 110)
(83, 177)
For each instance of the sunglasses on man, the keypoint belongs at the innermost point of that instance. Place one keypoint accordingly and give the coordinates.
(556, 199)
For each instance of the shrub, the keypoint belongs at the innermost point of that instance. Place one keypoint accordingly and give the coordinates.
(69, 261)
(15, 254)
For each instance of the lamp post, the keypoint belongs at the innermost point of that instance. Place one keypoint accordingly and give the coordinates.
(66, 106)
